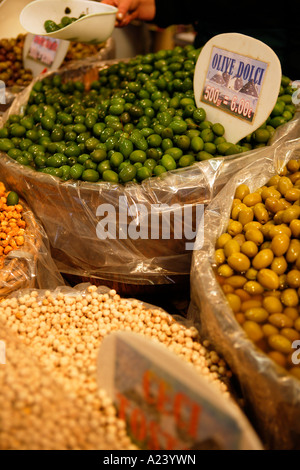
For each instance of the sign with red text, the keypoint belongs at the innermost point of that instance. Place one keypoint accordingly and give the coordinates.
(43, 49)
(237, 80)
(41, 53)
(166, 404)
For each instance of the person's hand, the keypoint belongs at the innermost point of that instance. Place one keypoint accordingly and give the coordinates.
(129, 10)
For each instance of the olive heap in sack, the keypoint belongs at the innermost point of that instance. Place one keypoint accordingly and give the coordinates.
(138, 120)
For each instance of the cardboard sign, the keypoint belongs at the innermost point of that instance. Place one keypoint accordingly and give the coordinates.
(42, 53)
(237, 80)
(43, 50)
(166, 404)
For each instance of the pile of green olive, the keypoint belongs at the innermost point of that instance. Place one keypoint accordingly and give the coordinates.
(50, 25)
(258, 264)
(138, 119)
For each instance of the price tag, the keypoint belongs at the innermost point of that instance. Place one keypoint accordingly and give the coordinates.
(237, 80)
(166, 404)
(2, 92)
(42, 53)
(43, 50)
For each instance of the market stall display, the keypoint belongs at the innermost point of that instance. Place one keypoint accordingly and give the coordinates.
(133, 265)
(253, 323)
(58, 334)
(12, 70)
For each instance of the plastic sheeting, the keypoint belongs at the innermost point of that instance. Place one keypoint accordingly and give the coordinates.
(31, 265)
(68, 211)
(273, 396)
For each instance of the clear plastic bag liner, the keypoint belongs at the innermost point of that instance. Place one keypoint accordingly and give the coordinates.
(272, 396)
(68, 210)
(31, 265)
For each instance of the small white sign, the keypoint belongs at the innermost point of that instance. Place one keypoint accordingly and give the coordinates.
(43, 49)
(41, 53)
(237, 79)
(166, 404)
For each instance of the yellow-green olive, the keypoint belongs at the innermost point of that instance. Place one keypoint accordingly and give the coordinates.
(251, 274)
(255, 236)
(257, 314)
(223, 239)
(272, 304)
(253, 330)
(293, 251)
(292, 194)
(279, 230)
(252, 199)
(293, 165)
(290, 334)
(284, 184)
(280, 320)
(268, 279)
(245, 216)
(239, 262)
(253, 287)
(295, 228)
(234, 228)
(224, 270)
(236, 281)
(293, 278)
(263, 259)
(261, 213)
(279, 265)
(269, 330)
(289, 298)
(270, 192)
(236, 209)
(293, 212)
(251, 225)
(232, 246)
(278, 357)
(291, 312)
(280, 343)
(273, 205)
(234, 302)
(249, 248)
(252, 303)
(241, 191)
(220, 256)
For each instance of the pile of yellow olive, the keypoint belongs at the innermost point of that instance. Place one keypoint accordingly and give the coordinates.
(258, 265)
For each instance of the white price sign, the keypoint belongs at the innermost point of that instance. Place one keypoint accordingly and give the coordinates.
(237, 80)
(43, 49)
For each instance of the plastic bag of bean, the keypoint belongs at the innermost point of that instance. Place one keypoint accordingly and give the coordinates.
(131, 251)
(245, 293)
(55, 344)
(42, 413)
(25, 259)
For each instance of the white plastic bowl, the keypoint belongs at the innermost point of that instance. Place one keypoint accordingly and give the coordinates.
(95, 27)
